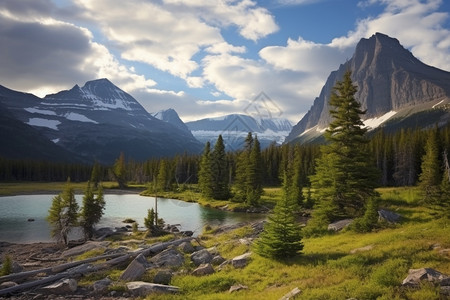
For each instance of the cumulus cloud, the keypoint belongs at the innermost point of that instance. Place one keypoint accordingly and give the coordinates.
(43, 55)
(168, 36)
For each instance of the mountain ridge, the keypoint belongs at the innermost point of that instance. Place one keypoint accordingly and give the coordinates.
(389, 79)
(98, 121)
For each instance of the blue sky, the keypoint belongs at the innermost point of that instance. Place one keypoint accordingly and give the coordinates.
(206, 58)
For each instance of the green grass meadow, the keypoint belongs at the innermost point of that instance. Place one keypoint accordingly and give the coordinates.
(335, 266)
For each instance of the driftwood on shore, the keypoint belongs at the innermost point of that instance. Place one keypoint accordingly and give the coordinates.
(77, 268)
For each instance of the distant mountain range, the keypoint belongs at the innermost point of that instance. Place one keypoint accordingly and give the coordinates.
(99, 120)
(93, 122)
(395, 88)
(235, 127)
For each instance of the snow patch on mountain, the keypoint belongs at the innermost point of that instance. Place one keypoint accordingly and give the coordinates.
(78, 117)
(373, 123)
(40, 111)
(52, 124)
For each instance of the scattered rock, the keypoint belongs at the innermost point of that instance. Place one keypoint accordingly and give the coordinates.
(168, 258)
(203, 269)
(415, 276)
(7, 284)
(241, 260)
(339, 225)
(163, 277)
(213, 251)
(292, 294)
(65, 286)
(135, 269)
(245, 241)
(88, 246)
(201, 257)
(237, 287)
(101, 286)
(388, 216)
(217, 260)
(186, 247)
(142, 289)
(362, 249)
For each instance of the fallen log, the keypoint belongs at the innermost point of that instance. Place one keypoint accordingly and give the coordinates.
(55, 269)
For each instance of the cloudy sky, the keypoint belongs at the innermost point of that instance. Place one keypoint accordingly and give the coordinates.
(206, 58)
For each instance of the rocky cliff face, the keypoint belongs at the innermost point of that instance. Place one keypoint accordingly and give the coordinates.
(389, 79)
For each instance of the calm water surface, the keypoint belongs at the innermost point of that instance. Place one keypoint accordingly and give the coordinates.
(16, 210)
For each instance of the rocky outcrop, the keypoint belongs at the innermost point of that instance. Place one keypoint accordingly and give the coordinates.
(292, 294)
(388, 216)
(241, 260)
(237, 287)
(142, 289)
(416, 276)
(65, 286)
(203, 269)
(201, 257)
(339, 225)
(135, 269)
(163, 277)
(168, 258)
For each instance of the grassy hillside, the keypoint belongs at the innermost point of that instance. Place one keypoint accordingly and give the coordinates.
(336, 266)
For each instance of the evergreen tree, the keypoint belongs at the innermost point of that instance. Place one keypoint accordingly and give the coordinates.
(119, 171)
(254, 175)
(92, 210)
(281, 238)
(149, 221)
(63, 214)
(205, 178)
(444, 202)
(219, 169)
(345, 178)
(297, 183)
(430, 178)
(242, 165)
(163, 179)
(95, 175)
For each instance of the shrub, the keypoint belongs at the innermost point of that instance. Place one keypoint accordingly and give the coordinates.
(6, 266)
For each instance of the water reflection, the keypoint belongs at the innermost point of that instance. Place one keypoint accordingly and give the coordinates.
(16, 210)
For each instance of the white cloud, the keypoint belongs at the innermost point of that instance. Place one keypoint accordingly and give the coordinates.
(43, 55)
(167, 36)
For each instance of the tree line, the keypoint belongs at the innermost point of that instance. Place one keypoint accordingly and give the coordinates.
(396, 155)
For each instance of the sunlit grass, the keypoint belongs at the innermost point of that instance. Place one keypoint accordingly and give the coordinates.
(328, 268)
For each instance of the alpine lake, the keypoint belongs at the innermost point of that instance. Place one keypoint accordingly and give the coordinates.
(23, 217)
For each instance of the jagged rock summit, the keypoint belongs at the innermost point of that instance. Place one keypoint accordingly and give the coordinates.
(392, 84)
(171, 116)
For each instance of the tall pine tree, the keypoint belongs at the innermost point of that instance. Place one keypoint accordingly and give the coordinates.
(220, 172)
(254, 174)
(430, 178)
(205, 178)
(345, 177)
